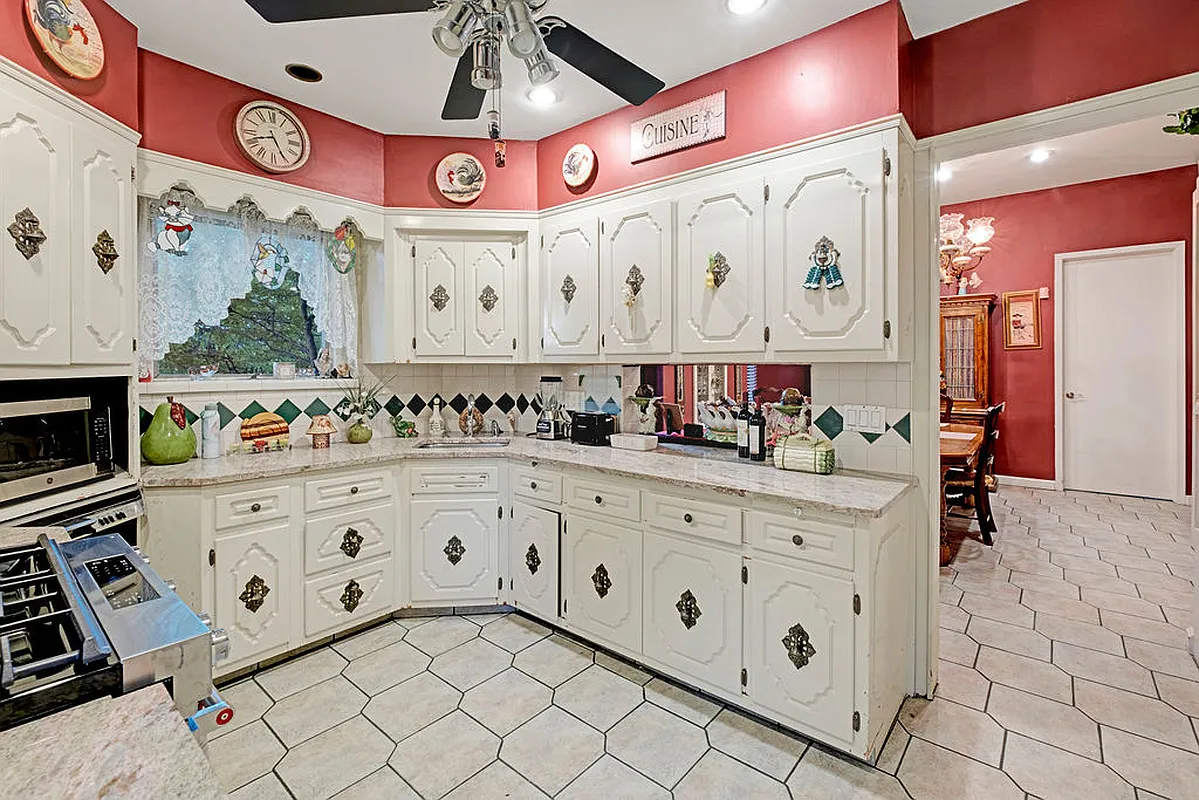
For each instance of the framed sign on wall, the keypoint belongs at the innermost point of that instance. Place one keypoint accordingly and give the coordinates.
(693, 123)
(1021, 320)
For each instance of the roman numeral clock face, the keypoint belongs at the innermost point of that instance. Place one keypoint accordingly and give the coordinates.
(272, 137)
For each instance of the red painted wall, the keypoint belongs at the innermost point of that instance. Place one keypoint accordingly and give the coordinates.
(1046, 53)
(836, 77)
(189, 113)
(409, 162)
(114, 92)
(1030, 229)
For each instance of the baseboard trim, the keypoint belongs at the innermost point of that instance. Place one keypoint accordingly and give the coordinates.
(1027, 483)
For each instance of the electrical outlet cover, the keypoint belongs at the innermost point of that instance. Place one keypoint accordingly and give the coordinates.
(866, 419)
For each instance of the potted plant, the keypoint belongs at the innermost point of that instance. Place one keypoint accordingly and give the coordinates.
(359, 404)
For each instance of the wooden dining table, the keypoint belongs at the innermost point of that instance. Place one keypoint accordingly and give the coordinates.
(960, 445)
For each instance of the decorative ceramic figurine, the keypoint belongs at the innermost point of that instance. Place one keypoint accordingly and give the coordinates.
(169, 439)
(321, 430)
(436, 421)
(404, 428)
(265, 432)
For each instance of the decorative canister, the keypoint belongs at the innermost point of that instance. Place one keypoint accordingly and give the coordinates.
(210, 432)
(169, 439)
(321, 430)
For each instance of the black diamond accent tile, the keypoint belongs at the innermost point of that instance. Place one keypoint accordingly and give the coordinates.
(143, 419)
(505, 403)
(394, 406)
(316, 408)
(904, 427)
(536, 406)
(416, 405)
(522, 404)
(871, 438)
(289, 411)
(227, 414)
(831, 423)
(252, 410)
(483, 403)
(458, 403)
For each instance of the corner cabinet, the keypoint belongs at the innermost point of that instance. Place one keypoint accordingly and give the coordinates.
(455, 550)
(570, 293)
(467, 298)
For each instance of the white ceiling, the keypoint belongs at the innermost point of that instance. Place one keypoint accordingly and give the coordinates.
(1127, 149)
(384, 72)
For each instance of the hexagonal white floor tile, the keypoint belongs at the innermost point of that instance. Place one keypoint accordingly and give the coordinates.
(684, 702)
(552, 749)
(239, 757)
(445, 754)
(405, 708)
(439, 635)
(657, 744)
(335, 759)
(248, 701)
(1041, 770)
(384, 668)
(301, 673)
(507, 701)
(497, 782)
(610, 778)
(368, 641)
(719, 777)
(930, 772)
(514, 632)
(316, 709)
(383, 783)
(554, 661)
(762, 747)
(823, 775)
(598, 697)
(468, 665)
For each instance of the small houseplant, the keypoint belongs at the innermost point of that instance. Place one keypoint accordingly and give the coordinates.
(359, 404)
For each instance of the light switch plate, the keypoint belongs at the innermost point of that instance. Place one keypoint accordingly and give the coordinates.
(1044, 292)
(866, 419)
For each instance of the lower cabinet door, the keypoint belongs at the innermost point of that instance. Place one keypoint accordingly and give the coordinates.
(455, 550)
(533, 560)
(348, 597)
(253, 591)
(692, 609)
(602, 580)
(801, 640)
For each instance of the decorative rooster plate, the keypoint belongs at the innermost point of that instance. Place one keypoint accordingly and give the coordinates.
(461, 177)
(68, 34)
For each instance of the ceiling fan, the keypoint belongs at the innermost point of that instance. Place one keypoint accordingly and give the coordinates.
(473, 30)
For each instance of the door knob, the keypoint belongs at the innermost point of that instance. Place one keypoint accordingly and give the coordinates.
(1069, 395)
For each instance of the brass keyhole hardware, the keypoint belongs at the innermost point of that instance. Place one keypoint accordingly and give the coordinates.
(255, 508)
(797, 540)
(454, 550)
(26, 229)
(351, 543)
(254, 594)
(799, 646)
(489, 299)
(440, 297)
(105, 250)
(351, 596)
(602, 581)
(532, 559)
(568, 289)
(688, 608)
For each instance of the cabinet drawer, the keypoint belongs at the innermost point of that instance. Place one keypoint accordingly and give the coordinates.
(348, 597)
(349, 537)
(605, 499)
(252, 507)
(537, 484)
(813, 540)
(681, 515)
(455, 480)
(329, 494)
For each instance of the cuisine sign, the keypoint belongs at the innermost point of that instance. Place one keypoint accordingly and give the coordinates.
(693, 123)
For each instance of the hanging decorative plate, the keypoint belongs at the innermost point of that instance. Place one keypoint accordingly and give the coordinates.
(68, 35)
(578, 165)
(461, 178)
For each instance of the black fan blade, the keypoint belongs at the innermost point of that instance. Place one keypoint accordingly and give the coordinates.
(305, 10)
(464, 101)
(599, 63)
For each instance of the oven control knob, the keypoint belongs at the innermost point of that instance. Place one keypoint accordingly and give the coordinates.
(171, 585)
(206, 618)
(220, 646)
(143, 556)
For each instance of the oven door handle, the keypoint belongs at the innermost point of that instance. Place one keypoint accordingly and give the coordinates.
(94, 644)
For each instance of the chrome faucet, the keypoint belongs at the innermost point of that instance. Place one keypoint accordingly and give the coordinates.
(495, 429)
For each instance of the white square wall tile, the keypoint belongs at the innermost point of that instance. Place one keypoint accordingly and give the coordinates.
(826, 372)
(852, 391)
(880, 393)
(853, 372)
(880, 372)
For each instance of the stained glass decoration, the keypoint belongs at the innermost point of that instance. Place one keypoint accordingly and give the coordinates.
(270, 261)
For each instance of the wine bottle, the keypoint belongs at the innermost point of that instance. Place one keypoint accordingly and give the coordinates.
(743, 428)
(757, 435)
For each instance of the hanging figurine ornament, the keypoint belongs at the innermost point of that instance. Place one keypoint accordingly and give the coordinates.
(632, 286)
(176, 220)
(718, 270)
(343, 247)
(824, 266)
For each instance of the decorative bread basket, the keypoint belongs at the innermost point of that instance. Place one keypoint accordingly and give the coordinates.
(804, 453)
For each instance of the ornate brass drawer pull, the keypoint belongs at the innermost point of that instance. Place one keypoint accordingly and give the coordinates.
(352, 596)
(718, 270)
(105, 250)
(688, 608)
(454, 550)
(533, 559)
(351, 543)
(254, 595)
(26, 229)
(635, 280)
(799, 646)
(568, 289)
(602, 581)
(440, 297)
(489, 299)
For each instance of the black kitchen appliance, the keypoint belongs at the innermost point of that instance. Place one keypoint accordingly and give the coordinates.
(592, 429)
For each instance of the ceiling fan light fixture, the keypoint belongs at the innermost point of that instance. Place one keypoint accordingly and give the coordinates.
(452, 32)
(486, 75)
(541, 67)
(743, 7)
(542, 96)
(524, 39)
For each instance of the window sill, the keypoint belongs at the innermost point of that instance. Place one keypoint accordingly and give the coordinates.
(184, 386)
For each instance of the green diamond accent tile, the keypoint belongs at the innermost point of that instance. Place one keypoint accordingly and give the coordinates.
(227, 414)
(289, 411)
(316, 408)
(143, 419)
(831, 423)
(251, 410)
(871, 438)
(904, 428)
(189, 416)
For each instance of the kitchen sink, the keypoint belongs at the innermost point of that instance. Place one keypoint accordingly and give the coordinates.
(446, 444)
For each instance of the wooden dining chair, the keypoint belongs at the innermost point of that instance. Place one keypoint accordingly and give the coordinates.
(968, 486)
(946, 407)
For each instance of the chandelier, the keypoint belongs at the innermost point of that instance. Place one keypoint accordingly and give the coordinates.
(963, 248)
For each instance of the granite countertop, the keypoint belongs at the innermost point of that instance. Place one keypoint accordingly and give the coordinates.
(859, 493)
(135, 745)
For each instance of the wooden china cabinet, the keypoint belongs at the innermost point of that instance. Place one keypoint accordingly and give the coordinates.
(966, 354)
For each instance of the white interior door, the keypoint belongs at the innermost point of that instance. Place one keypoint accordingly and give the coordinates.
(1121, 324)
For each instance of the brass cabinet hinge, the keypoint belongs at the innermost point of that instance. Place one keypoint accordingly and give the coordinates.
(414, 251)
(133, 174)
(766, 193)
(744, 574)
(500, 512)
(887, 329)
(766, 334)
(413, 342)
(211, 557)
(744, 677)
(135, 345)
(857, 604)
(564, 608)
(603, 340)
(513, 252)
(886, 165)
(513, 342)
(500, 584)
(857, 721)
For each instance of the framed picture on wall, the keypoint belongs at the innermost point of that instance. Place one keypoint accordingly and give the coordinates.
(1022, 320)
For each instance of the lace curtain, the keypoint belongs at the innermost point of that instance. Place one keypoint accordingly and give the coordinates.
(195, 261)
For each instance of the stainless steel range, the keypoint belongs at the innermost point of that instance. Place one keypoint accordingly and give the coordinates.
(89, 618)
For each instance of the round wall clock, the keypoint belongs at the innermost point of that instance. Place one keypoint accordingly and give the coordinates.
(272, 136)
(578, 165)
(68, 35)
(461, 177)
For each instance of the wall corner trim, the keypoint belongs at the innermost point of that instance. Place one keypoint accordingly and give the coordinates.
(47, 89)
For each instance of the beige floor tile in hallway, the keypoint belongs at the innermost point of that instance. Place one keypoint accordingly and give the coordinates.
(1065, 675)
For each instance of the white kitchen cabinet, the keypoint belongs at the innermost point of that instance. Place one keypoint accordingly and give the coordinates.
(721, 267)
(454, 554)
(801, 646)
(348, 537)
(35, 187)
(438, 295)
(354, 595)
(570, 294)
(254, 585)
(103, 287)
(601, 577)
(467, 298)
(636, 266)
(533, 560)
(825, 223)
(491, 290)
(692, 609)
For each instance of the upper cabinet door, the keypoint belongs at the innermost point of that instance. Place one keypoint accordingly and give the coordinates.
(35, 187)
(636, 264)
(491, 296)
(104, 261)
(721, 269)
(439, 311)
(570, 262)
(827, 257)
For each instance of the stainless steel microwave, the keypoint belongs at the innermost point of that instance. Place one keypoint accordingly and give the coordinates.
(52, 444)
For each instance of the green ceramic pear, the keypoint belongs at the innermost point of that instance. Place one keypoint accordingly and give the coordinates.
(169, 439)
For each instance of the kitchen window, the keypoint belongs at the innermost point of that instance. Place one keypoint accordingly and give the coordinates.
(231, 292)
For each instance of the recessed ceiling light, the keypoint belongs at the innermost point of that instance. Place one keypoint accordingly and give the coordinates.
(1039, 156)
(944, 173)
(305, 73)
(542, 96)
(744, 6)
